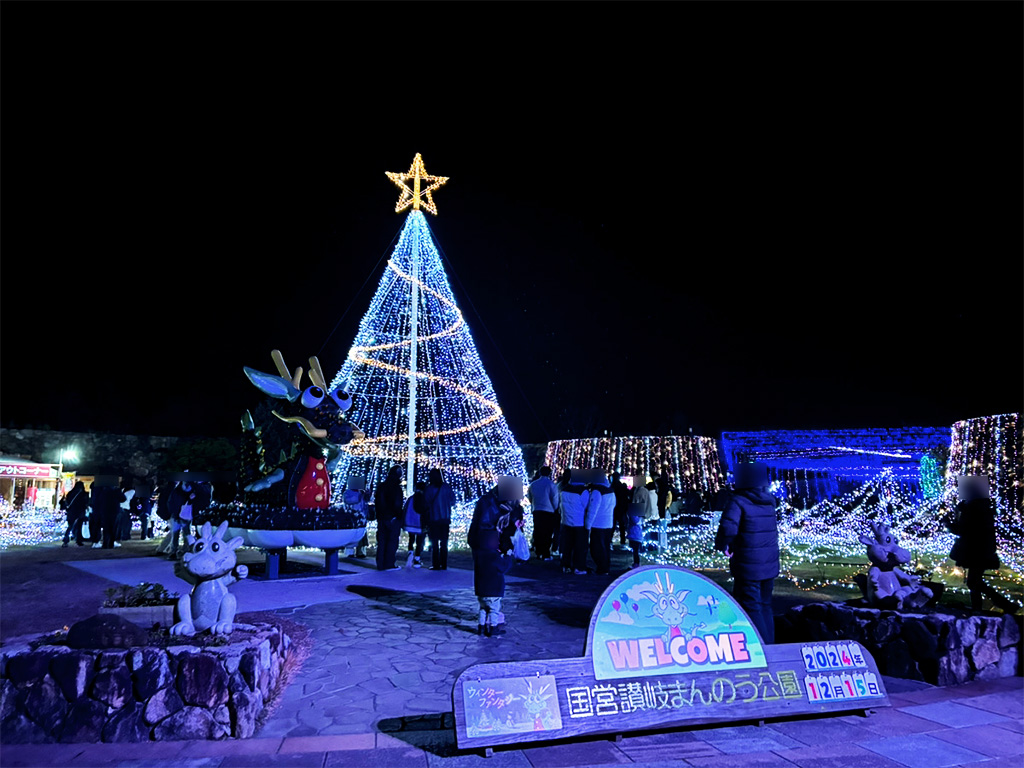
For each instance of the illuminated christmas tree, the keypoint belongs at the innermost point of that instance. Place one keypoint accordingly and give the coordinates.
(420, 391)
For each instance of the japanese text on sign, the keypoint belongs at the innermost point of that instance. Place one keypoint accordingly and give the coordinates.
(626, 698)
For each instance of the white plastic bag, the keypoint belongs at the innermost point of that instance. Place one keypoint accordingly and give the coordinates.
(85, 530)
(520, 546)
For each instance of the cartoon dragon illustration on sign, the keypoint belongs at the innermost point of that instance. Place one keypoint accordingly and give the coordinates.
(669, 607)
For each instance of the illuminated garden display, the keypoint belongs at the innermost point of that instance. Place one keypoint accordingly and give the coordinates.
(26, 525)
(420, 392)
(693, 462)
(812, 466)
(991, 446)
(887, 476)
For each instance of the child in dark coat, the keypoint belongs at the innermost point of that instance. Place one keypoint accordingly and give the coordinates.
(489, 568)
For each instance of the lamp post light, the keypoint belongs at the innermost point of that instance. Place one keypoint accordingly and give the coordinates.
(71, 455)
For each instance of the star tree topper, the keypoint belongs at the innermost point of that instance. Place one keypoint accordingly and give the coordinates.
(415, 196)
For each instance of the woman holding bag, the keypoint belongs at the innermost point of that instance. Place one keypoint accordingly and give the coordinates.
(74, 505)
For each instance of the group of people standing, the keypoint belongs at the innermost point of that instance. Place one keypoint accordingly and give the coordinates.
(425, 514)
(580, 514)
(106, 512)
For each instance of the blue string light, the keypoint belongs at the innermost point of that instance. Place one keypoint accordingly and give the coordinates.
(460, 428)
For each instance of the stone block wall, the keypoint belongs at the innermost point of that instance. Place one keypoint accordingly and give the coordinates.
(59, 694)
(937, 648)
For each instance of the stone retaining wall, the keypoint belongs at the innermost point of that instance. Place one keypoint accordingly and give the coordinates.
(58, 694)
(937, 648)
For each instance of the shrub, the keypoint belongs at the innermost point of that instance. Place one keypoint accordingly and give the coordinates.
(126, 596)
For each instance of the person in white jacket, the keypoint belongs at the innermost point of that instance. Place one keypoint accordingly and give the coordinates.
(543, 496)
(601, 521)
(573, 497)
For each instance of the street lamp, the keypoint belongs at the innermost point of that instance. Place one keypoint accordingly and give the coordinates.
(71, 455)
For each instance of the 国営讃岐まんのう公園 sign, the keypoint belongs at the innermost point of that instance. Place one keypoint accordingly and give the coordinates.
(666, 647)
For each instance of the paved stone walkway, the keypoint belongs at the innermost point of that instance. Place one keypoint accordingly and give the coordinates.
(375, 690)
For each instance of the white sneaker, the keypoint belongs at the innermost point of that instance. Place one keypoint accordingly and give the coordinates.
(417, 563)
(97, 545)
(580, 573)
(117, 543)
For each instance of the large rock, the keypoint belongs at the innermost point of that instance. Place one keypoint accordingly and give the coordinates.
(113, 687)
(246, 707)
(887, 628)
(11, 699)
(151, 671)
(111, 659)
(953, 668)
(84, 722)
(1009, 632)
(920, 640)
(162, 705)
(128, 725)
(45, 704)
(27, 668)
(201, 681)
(897, 661)
(1008, 662)
(985, 651)
(968, 629)
(73, 672)
(19, 729)
(248, 667)
(188, 724)
(106, 630)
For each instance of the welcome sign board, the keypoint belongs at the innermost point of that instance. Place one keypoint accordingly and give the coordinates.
(665, 647)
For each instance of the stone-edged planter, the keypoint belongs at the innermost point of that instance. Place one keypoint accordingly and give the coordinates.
(145, 616)
(938, 648)
(144, 693)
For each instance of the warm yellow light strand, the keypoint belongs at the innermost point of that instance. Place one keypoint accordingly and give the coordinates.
(416, 196)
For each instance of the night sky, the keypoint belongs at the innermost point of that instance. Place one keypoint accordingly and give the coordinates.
(661, 217)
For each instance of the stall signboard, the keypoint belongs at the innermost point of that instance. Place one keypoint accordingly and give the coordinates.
(666, 647)
(43, 471)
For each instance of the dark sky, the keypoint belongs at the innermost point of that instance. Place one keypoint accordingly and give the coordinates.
(717, 216)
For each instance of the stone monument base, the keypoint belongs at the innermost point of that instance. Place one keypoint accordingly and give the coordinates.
(936, 647)
(143, 693)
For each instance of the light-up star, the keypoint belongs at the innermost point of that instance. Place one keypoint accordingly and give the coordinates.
(416, 196)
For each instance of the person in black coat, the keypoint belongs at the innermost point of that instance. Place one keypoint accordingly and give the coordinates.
(389, 502)
(974, 522)
(75, 505)
(106, 504)
(498, 509)
(622, 497)
(748, 534)
(440, 500)
(489, 568)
